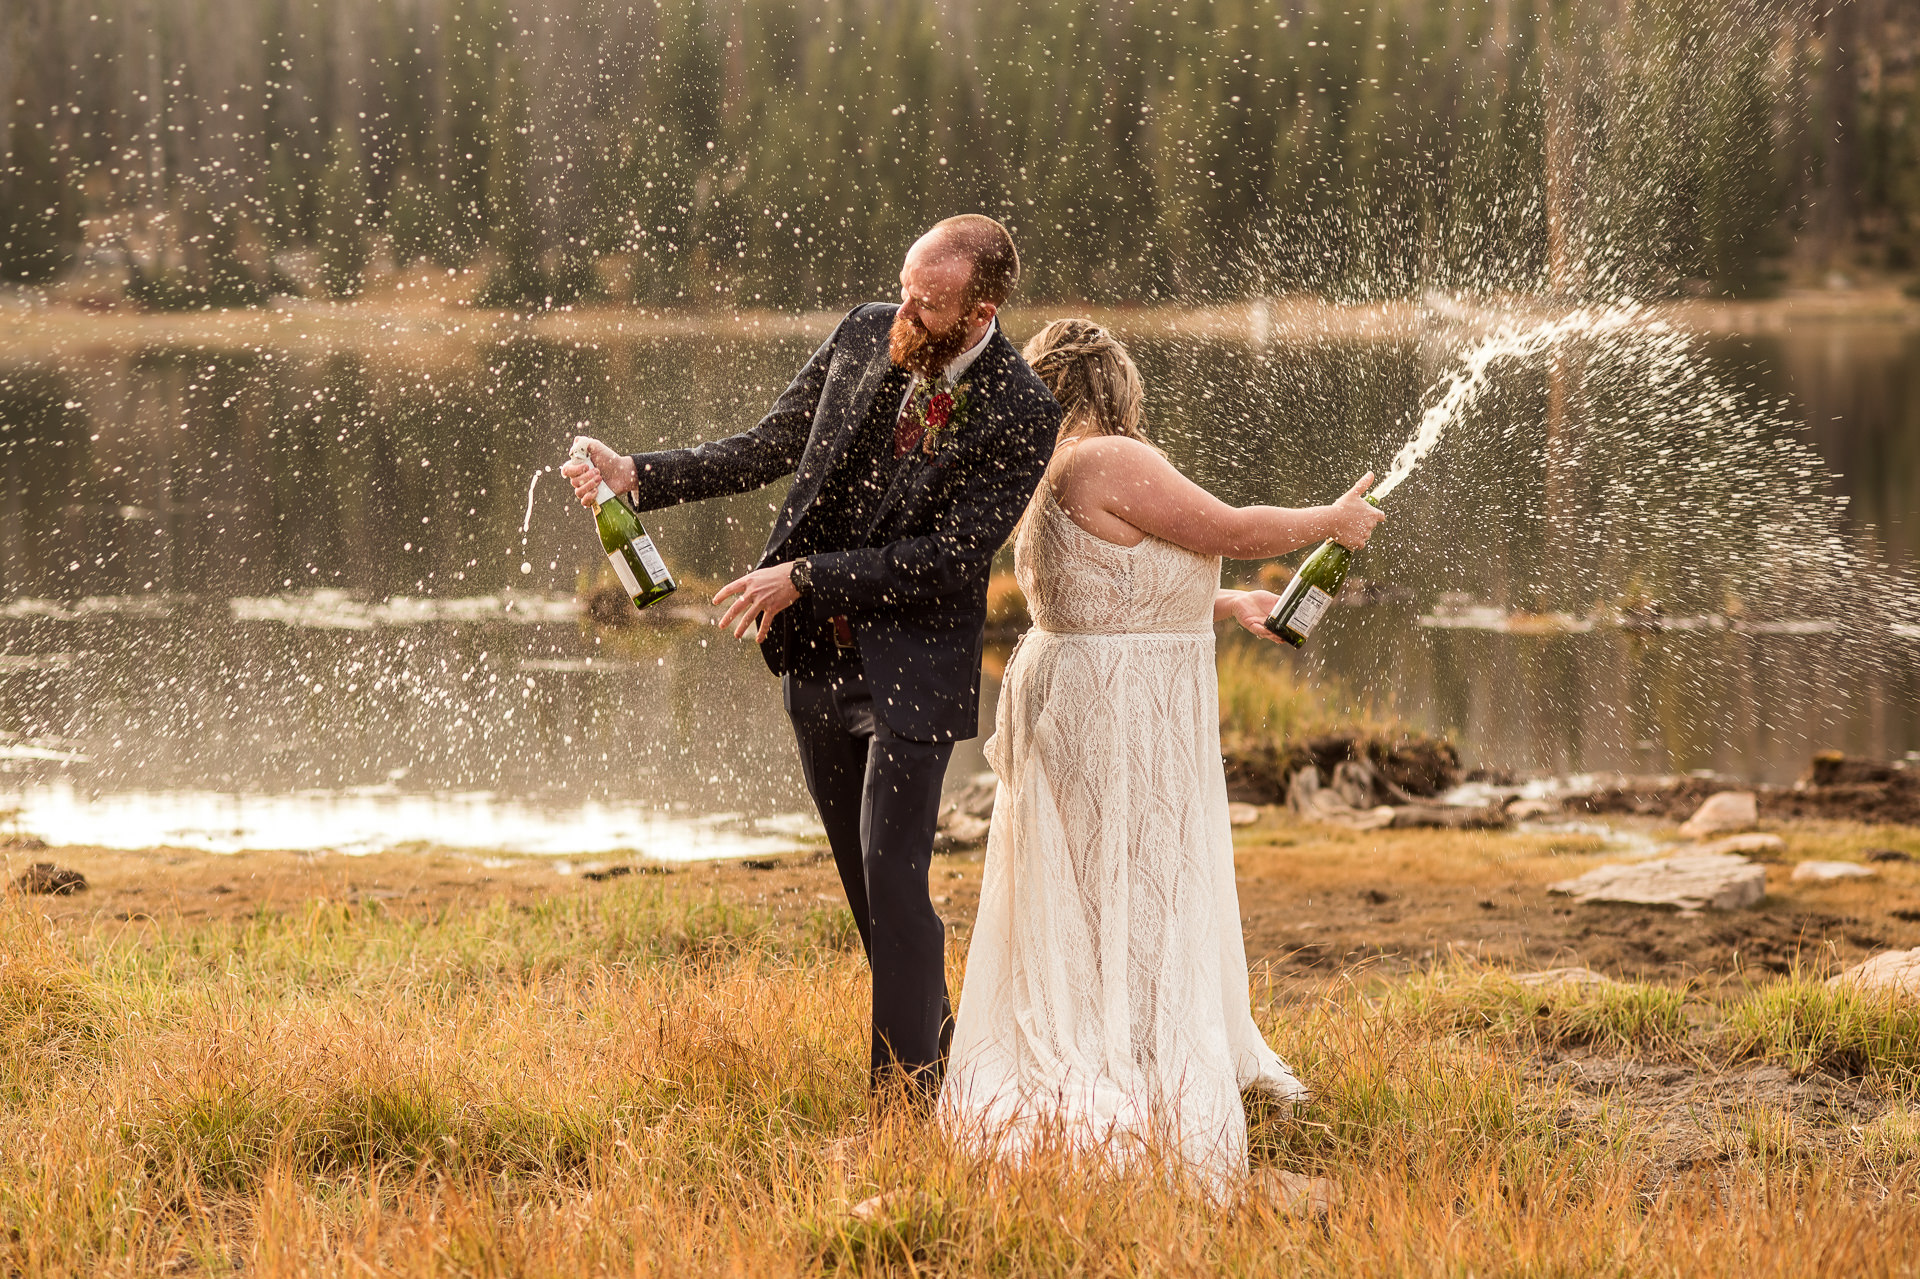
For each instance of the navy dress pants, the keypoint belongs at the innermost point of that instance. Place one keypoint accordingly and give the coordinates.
(879, 799)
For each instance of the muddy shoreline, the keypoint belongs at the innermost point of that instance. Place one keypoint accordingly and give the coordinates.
(1317, 901)
(32, 330)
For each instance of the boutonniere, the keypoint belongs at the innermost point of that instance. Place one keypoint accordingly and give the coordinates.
(941, 410)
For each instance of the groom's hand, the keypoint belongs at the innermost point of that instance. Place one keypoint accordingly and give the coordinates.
(602, 463)
(761, 595)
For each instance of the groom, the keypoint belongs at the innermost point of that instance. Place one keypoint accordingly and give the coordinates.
(915, 436)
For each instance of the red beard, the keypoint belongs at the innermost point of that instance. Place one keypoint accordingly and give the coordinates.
(912, 347)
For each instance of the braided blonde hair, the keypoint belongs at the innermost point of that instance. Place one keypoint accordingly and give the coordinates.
(1092, 376)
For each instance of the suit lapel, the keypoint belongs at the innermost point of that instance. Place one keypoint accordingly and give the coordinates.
(985, 376)
(860, 403)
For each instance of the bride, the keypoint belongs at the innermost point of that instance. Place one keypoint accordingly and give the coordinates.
(1106, 998)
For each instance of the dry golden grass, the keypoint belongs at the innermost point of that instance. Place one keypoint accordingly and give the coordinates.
(652, 1081)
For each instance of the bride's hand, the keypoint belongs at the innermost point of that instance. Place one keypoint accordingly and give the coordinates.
(1351, 519)
(1250, 609)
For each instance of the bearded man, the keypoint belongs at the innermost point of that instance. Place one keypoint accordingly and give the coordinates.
(916, 435)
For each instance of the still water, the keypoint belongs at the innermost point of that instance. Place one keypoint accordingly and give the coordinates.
(270, 591)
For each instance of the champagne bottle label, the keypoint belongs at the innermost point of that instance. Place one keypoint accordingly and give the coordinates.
(1313, 606)
(624, 571)
(1283, 606)
(650, 558)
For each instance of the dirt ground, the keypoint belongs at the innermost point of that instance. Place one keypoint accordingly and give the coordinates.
(1316, 901)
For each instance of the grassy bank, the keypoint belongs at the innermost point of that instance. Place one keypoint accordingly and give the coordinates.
(657, 1077)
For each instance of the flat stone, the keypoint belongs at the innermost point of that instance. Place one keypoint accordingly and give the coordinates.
(1832, 870)
(1896, 971)
(975, 799)
(964, 829)
(1242, 814)
(1723, 814)
(1687, 881)
(1448, 817)
(965, 815)
(1749, 845)
(1524, 810)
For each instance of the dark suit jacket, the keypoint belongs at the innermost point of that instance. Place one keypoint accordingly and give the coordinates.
(914, 586)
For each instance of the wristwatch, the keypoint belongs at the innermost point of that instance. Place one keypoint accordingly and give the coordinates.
(801, 575)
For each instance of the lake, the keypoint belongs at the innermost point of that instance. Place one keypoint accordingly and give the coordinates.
(263, 580)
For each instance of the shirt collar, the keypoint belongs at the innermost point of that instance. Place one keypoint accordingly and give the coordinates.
(958, 367)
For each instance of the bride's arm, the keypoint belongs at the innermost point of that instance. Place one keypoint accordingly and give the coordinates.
(1133, 483)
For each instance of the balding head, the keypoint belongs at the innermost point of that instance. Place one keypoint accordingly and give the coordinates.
(951, 286)
(988, 250)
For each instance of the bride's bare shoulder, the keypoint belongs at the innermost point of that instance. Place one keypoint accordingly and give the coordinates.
(1112, 453)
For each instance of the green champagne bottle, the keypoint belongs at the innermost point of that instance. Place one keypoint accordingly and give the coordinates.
(1309, 595)
(635, 559)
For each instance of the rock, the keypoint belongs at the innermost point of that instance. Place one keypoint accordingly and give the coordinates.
(966, 828)
(1885, 855)
(1723, 814)
(1564, 977)
(1314, 802)
(1820, 871)
(1894, 971)
(1832, 768)
(975, 799)
(964, 818)
(1479, 795)
(1416, 765)
(1688, 881)
(1355, 783)
(1526, 810)
(606, 873)
(1754, 844)
(1302, 787)
(1448, 817)
(1242, 814)
(1260, 767)
(1352, 799)
(1665, 795)
(1893, 802)
(45, 877)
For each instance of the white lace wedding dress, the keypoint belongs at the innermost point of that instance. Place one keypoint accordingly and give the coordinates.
(1106, 995)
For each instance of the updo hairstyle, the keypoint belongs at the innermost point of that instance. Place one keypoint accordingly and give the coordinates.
(1092, 376)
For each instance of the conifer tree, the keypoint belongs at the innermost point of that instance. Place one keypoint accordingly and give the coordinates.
(345, 245)
(515, 278)
(38, 219)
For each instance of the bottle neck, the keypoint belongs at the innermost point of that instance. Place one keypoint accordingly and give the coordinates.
(605, 494)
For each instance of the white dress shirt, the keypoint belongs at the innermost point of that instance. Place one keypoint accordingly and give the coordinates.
(956, 367)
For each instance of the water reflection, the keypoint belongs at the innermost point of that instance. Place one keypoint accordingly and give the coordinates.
(380, 819)
(249, 571)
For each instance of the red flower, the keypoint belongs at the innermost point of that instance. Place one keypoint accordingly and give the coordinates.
(939, 410)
